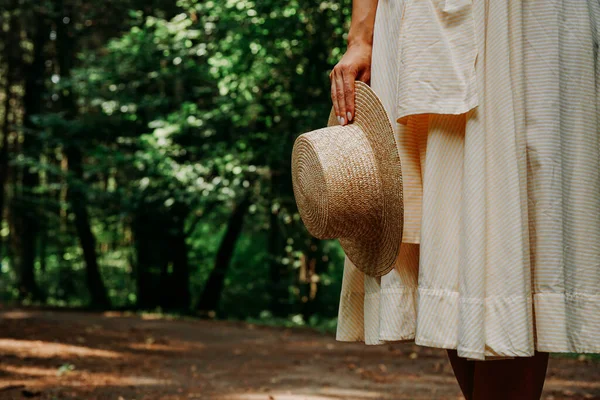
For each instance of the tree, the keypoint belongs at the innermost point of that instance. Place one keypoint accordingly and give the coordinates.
(24, 212)
(65, 52)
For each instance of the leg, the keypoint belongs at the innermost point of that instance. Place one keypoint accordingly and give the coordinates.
(464, 371)
(519, 378)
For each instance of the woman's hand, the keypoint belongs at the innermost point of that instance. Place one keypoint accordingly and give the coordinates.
(354, 65)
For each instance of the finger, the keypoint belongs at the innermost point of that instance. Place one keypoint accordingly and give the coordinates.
(334, 98)
(339, 86)
(349, 94)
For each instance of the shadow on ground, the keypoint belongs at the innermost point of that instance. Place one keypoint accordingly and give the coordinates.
(64, 355)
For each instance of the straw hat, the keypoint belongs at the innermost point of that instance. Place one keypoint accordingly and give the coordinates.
(347, 182)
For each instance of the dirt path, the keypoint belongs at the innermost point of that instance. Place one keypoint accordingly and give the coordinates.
(59, 355)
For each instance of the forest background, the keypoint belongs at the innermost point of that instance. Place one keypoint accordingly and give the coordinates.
(145, 152)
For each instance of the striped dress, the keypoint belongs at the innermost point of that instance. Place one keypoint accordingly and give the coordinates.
(496, 107)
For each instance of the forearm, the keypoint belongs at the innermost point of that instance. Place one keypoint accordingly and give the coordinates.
(363, 20)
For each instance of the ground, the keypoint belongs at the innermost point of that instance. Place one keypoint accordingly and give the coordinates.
(64, 355)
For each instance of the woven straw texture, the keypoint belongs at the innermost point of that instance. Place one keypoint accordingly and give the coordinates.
(347, 183)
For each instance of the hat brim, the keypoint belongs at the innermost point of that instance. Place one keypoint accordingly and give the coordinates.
(375, 256)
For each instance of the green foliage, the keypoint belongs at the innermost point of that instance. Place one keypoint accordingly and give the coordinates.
(324, 325)
(182, 111)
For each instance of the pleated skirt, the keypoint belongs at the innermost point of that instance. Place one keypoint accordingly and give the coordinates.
(496, 112)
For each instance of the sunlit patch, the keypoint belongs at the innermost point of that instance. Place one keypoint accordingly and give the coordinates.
(275, 396)
(41, 349)
(31, 371)
(16, 315)
(156, 316)
(48, 376)
(150, 316)
(561, 383)
(117, 314)
(171, 347)
(351, 393)
(325, 394)
(141, 381)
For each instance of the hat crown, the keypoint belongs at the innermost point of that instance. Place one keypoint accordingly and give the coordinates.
(345, 194)
(347, 183)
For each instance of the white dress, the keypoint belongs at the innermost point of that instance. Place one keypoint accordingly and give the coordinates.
(497, 108)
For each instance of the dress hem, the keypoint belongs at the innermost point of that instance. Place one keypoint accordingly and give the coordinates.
(555, 333)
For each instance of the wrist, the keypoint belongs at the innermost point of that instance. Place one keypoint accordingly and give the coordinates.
(360, 41)
(361, 31)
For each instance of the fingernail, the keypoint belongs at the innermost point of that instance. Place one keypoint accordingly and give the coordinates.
(349, 116)
(339, 119)
(343, 121)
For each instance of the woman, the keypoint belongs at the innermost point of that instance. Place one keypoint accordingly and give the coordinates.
(496, 107)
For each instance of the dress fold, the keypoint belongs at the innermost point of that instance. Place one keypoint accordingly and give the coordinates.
(437, 50)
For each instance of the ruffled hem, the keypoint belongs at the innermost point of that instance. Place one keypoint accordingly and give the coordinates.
(438, 313)
(567, 322)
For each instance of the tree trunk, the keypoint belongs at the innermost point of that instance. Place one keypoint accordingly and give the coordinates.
(179, 279)
(309, 282)
(278, 273)
(151, 255)
(24, 215)
(9, 58)
(211, 296)
(87, 240)
(65, 48)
